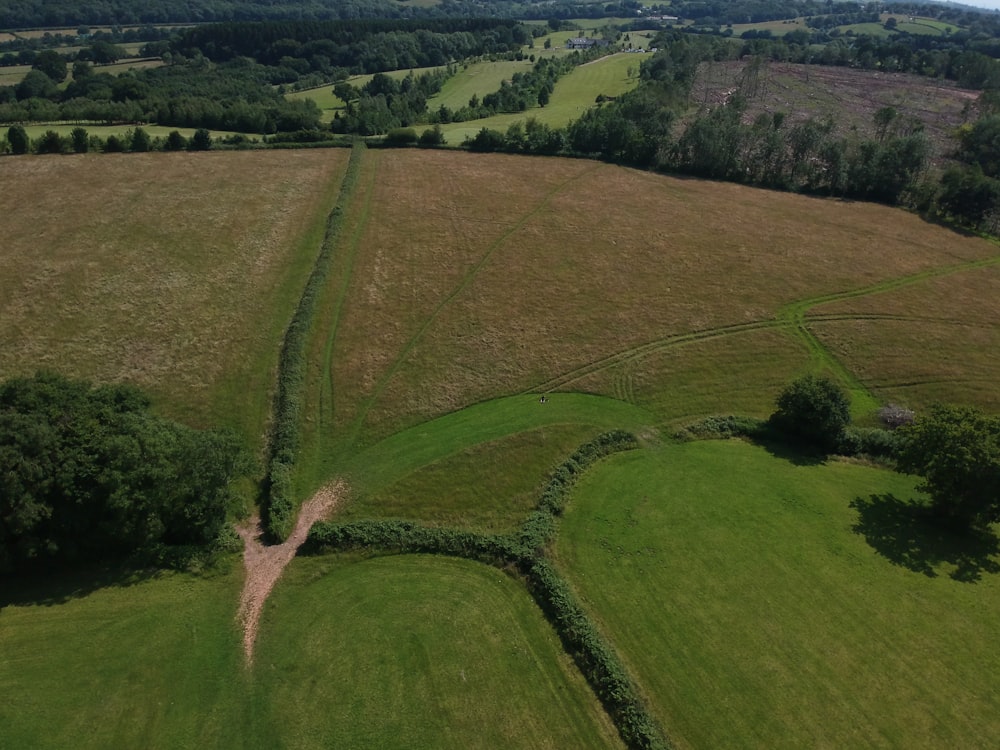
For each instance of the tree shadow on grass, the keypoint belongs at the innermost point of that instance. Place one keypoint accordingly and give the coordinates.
(794, 454)
(60, 586)
(908, 535)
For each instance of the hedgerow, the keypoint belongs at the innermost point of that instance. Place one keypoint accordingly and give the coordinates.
(523, 552)
(279, 506)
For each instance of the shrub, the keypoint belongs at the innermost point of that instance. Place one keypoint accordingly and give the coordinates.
(400, 137)
(814, 410)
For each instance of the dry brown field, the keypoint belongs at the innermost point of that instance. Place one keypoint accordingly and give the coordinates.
(176, 272)
(477, 276)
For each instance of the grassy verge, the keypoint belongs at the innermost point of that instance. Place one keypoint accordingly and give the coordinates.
(739, 590)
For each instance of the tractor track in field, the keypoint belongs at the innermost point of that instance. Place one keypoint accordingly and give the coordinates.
(792, 317)
(264, 563)
(462, 285)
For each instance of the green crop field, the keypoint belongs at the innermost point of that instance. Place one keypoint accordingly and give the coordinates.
(740, 592)
(476, 79)
(461, 288)
(574, 94)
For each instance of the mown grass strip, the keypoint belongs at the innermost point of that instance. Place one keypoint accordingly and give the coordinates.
(279, 506)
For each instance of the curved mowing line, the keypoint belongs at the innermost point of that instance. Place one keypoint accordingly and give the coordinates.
(327, 391)
(462, 285)
(791, 316)
(413, 448)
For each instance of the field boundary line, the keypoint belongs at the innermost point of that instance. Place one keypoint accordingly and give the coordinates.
(462, 285)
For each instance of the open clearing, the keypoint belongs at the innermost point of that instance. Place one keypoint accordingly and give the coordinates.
(754, 614)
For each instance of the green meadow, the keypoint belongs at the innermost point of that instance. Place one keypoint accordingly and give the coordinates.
(758, 608)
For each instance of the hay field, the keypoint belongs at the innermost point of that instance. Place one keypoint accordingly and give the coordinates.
(176, 272)
(662, 291)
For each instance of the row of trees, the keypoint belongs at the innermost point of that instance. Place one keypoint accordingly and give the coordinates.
(89, 473)
(79, 141)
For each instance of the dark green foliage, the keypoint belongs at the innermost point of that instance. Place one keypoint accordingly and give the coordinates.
(432, 137)
(175, 142)
(52, 64)
(50, 142)
(401, 137)
(728, 427)
(79, 140)
(957, 452)
(869, 441)
(813, 410)
(88, 473)
(139, 141)
(968, 196)
(17, 137)
(200, 141)
(279, 505)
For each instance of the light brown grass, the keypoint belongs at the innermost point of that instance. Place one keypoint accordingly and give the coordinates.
(177, 272)
(934, 341)
(484, 275)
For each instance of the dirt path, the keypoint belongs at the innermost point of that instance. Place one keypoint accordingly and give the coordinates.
(264, 563)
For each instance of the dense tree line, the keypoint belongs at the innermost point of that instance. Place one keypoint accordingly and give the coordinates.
(89, 473)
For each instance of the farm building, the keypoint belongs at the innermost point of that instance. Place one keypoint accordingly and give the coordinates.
(584, 43)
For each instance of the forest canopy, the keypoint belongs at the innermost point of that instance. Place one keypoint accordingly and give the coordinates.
(89, 473)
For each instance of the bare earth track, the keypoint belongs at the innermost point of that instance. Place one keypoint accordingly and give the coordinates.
(265, 563)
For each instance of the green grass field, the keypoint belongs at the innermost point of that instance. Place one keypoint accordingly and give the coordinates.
(398, 652)
(574, 94)
(329, 104)
(752, 612)
(418, 652)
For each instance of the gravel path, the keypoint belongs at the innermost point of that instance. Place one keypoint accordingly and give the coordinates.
(264, 563)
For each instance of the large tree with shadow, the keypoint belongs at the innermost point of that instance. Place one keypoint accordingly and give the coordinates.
(957, 452)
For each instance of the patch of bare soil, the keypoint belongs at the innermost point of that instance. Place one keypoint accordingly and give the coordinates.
(265, 563)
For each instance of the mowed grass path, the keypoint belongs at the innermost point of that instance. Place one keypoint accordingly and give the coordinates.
(735, 588)
(176, 272)
(415, 651)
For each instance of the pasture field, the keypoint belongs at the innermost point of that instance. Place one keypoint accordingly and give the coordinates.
(462, 287)
(155, 664)
(11, 75)
(439, 302)
(741, 590)
(778, 28)
(573, 95)
(394, 652)
(476, 79)
(418, 651)
(177, 272)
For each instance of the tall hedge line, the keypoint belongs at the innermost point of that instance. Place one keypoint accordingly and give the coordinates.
(524, 552)
(279, 506)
